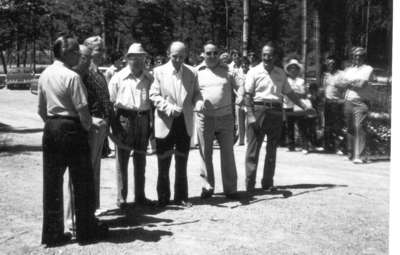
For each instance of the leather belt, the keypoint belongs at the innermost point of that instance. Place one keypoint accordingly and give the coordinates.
(125, 112)
(269, 104)
(53, 117)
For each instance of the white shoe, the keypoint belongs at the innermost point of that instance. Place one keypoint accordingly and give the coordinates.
(339, 152)
(358, 161)
(305, 151)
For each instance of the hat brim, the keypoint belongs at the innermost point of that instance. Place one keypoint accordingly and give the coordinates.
(300, 66)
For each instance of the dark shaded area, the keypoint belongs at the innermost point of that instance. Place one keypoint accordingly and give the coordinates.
(130, 235)
(18, 148)
(4, 128)
(127, 225)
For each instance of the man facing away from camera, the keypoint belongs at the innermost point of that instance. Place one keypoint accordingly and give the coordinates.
(64, 108)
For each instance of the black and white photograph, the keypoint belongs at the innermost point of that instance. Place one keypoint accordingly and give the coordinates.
(198, 127)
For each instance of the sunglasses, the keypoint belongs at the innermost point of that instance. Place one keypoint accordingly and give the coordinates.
(212, 53)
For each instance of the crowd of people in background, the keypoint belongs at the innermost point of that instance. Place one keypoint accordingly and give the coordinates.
(170, 106)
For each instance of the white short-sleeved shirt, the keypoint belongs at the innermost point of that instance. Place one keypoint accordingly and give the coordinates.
(130, 92)
(298, 86)
(353, 73)
(267, 86)
(61, 91)
(216, 85)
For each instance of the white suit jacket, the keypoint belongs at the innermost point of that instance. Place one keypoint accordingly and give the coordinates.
(162, 93)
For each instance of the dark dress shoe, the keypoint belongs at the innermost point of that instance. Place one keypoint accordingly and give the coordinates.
(161, 204)
(183, 203)
(100, 232)
(270, 188)
(145, 202)
(122, 205)
(206, 193)
(60, 240)
(233, 196)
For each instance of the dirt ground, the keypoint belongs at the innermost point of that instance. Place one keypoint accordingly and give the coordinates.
(332, 207)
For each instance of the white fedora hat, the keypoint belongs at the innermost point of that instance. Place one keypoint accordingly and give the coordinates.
(296, 63)
(136, 48)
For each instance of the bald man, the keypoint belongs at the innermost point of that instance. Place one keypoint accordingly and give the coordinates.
(217, 86)
(174, 92)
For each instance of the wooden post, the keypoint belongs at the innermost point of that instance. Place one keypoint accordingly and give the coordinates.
(317, 45)
(245, 26)
(227, 24)
(304, 36)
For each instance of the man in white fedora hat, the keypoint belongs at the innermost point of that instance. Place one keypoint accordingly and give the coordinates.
(129, 92)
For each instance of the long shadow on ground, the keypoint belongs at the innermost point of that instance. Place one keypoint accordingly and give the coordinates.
(280, 192)
(4, 128)
(129, 224)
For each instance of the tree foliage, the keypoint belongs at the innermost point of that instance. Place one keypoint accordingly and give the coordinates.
(155, 23)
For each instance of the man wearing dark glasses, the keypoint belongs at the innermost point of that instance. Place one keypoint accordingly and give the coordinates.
(216, 121)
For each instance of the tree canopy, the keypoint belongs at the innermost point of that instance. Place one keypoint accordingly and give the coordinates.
(34, 24)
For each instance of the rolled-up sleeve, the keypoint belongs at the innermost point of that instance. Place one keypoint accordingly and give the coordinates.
(78, 92)
(286, 89)
(112, 88)
(249, 84)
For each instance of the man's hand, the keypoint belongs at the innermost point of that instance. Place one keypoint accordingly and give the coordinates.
(310, 112)
(176, 111)
(251, 119)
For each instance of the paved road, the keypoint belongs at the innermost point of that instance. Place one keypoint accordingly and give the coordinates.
(335, 207)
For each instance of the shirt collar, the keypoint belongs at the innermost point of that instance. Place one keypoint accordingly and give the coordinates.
(203, 65)
(261, 68)
(126, 72)
(59, 63)
(171, 68)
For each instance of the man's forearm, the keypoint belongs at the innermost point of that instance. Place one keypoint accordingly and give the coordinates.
(85, 118)
(296, 100)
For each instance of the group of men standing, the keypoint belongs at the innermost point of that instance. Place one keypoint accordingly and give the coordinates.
(79, 107)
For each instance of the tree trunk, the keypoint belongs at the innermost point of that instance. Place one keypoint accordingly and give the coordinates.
(245, 26)
(317, 45)
(304, 36)
(227, 24)
(25, 52)
(3, 61)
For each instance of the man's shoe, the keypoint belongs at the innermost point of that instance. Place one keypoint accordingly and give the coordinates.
(233, 196)
(161, 204)
(122, 205)
(61, 240)
(270, 188)
(145, 202)
(206, 193)
(184, 203)
(358, 161)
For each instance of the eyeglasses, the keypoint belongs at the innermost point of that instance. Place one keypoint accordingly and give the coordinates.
(212, 53)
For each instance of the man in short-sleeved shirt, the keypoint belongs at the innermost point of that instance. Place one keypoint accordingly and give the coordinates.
(63, 107)
(216, 85)
(129, 92)
(264, 88)
(356, 78)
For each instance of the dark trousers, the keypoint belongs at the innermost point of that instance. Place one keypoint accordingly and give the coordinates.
(334, 137)
(137, 127)
(270, 124)
(178, 142)
(306, 127)
(65, 144)
(355, 113)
